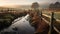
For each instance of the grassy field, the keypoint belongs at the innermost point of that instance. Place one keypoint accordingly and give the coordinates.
(56, 14)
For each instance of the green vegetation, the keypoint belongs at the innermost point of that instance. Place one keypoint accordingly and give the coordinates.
(6, 20)
(7, 17)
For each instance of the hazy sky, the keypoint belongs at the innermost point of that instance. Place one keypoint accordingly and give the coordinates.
(24, 2)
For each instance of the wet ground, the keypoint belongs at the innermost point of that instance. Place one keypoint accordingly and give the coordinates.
(20, 26)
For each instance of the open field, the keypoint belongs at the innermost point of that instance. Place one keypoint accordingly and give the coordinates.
(56, 14)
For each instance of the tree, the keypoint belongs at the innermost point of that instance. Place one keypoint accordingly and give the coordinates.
(35, 5)
(51, 6)
(55, 6)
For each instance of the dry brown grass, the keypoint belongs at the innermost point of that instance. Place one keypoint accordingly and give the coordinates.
(40, 26)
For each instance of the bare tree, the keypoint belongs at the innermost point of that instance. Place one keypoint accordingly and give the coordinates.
(55, 6)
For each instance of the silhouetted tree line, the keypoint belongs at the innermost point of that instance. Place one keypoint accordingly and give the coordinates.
(55, 6)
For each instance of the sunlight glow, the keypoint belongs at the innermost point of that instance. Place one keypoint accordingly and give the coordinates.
(22, 2)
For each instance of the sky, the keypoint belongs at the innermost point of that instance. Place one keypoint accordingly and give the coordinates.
(24, 2)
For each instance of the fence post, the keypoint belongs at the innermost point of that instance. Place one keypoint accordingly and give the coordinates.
(41, 15)
(51, 24)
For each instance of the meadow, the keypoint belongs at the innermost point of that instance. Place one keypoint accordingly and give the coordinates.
(56, 14)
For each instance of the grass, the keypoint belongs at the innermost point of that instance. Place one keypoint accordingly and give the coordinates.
(56, 14)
